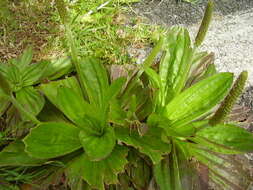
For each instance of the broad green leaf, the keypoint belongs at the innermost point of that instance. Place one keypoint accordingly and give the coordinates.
(57, 68)
(149, 144)
(74, 173)
(51, 89)
(228, 135)
(32, 74)
(198, 99)
(50, 140)
(104, 171)
(72, 104)
(176, 62)
(31, 100)
(14, 155)
(94, 78)
(98, 147)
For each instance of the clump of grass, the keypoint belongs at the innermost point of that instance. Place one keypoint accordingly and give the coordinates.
(103, 29)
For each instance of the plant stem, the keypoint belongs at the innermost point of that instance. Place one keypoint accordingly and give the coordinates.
(71, 40)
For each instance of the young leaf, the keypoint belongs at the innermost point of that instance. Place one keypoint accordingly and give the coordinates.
(50, 140)
(149, 144)
(14, 155)
(30, 99)
(98, 147)
(25, 58)
(94, 78)
(176, 62)
(198, 99)
(230, 136)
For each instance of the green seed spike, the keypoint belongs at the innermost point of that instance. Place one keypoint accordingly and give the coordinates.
(204, 24)
(4, 85)
(227, 105)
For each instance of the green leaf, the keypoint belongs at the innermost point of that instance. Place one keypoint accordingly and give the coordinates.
(5, 87)
(50, 140)
(31, 100)
(149, 144)
(114, 89)
(198, 99)
(57, 68)
(98, 147)
(116, 114)
(32, 74)
(162, 175)
(14, 76)
(228, 135)
(140, 174)
(51, 89)
(25, 59)
(74, 172)
(72, 104)
(94, 78)
(4, 102)
(104, 171)
(176, 62)
(176, 172)
(14, 155)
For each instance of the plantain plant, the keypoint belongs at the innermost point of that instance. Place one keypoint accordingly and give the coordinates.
(153, 126)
